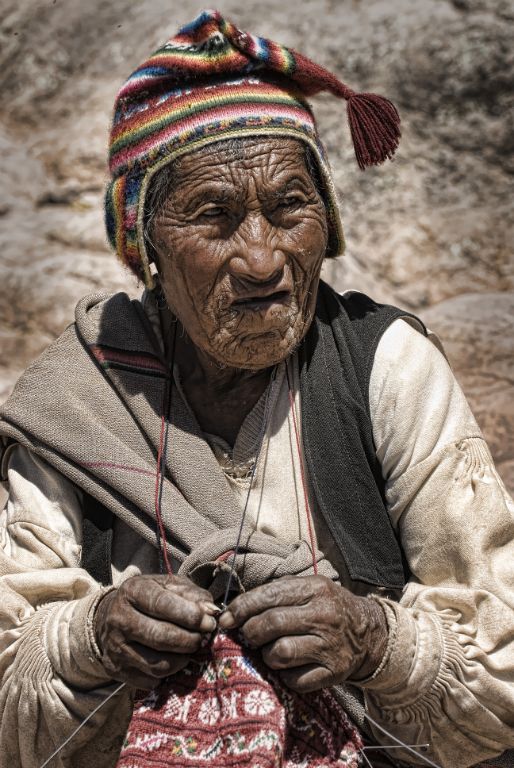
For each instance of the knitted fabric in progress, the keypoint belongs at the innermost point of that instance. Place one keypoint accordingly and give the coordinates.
(232, 711)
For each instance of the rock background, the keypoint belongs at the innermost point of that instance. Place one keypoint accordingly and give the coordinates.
(431, 231)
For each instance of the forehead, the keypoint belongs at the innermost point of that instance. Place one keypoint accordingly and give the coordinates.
(267, 156)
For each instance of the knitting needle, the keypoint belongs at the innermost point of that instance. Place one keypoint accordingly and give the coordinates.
(81, 725)
(399, 744)
(424, 747)
(402, 744)
(365, 758)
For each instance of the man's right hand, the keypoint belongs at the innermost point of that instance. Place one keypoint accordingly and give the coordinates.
(150, 626)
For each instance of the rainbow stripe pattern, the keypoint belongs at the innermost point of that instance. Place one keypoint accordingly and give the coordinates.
(211, 81)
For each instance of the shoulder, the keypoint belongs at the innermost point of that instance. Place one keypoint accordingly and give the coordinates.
(99, 316)
(357, 324)
(407, 339)
(359, 312)
(69, 373)
(416, 404)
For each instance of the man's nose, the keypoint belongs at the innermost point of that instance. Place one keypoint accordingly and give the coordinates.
(259, 257)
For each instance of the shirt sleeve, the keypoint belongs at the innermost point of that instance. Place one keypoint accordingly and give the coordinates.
(447, 679)
(50, 675)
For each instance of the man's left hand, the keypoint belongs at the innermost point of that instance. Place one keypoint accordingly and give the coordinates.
(315, 632)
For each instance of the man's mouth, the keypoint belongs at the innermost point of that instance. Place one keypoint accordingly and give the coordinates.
(259, 302)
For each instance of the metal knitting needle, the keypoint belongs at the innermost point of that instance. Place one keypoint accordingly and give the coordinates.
(395, 746)
(81, 725)
(402, 744)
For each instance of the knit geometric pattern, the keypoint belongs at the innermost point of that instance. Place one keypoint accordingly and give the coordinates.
(209, 82)
(230, 710)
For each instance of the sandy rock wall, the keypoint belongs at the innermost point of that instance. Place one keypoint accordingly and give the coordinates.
(432, 231)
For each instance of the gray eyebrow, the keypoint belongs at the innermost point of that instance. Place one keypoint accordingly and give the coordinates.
(274, 192)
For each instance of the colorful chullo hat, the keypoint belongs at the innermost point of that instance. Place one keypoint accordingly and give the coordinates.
(210, 82)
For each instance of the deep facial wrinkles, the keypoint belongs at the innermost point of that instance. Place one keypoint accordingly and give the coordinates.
(240, 242)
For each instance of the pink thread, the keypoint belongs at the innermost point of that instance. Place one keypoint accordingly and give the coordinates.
(112, 465)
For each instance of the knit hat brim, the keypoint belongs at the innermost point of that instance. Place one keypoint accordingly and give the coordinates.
(278, 112)
(212, 81)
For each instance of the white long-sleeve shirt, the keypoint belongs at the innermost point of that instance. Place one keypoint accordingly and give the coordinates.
(447, 678)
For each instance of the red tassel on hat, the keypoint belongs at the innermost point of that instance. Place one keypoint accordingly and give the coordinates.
(374, 127)
(374, 120)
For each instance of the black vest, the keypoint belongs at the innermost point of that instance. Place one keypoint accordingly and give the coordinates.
(336, 358)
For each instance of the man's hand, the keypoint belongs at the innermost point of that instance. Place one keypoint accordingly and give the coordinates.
(315, 632)
(149, 627)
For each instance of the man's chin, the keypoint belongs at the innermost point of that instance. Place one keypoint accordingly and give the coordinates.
(259, 350)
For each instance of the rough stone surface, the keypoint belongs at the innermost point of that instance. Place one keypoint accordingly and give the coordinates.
(478, 329)
(432, 231)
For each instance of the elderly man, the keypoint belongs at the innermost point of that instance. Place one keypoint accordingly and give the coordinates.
(244, 438)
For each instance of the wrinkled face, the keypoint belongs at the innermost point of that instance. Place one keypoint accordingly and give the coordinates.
(240, 239)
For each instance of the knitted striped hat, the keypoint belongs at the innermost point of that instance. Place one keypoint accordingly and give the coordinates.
(210, 82)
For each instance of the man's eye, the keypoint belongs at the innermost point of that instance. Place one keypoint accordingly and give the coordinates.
(291, 201)
(212, 212)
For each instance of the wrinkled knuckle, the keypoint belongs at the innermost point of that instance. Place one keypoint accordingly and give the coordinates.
(328, 615)
(163, 604)
(114, 661)
(195, 614)
(274, 590)
(119, 648)
(154, 636)
(284, 651)
(250, 632)
(160, 668)
(240, 607)
(278, 620)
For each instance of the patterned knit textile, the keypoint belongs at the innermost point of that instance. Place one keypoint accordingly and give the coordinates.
(210, 82)
(230, 710)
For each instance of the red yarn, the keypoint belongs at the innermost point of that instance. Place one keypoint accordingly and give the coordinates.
(374, 126)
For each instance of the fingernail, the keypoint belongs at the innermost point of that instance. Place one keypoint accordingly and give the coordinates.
(226, 620)
(208, 624)
(211, 608)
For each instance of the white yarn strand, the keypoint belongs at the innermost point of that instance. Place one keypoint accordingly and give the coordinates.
(82, 724)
